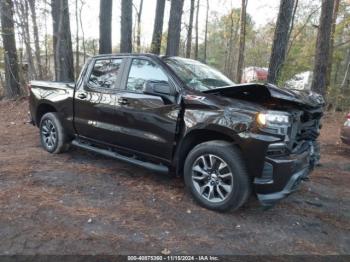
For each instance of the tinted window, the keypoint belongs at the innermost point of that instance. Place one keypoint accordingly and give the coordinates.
(141, 71)
(104, 74)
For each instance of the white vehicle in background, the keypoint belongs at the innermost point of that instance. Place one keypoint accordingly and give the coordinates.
(300, 81)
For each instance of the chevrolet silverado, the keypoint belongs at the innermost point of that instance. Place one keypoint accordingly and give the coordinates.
(180, 116)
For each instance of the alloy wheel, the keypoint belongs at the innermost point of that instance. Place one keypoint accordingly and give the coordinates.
(49, 134)
(212, 178)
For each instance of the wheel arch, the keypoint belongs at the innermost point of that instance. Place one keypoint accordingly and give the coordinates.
(196, 137)
(42, 109)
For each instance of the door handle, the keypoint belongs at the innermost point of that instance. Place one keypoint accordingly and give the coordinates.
(123, 101)
(82, 96)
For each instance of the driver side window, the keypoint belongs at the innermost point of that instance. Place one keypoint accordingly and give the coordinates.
(143, 70)
(104, 74)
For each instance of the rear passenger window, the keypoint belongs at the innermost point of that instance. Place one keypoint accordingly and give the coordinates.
(141, 71)
(104, 74)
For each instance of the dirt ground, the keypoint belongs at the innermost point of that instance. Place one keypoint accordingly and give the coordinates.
(82, 203)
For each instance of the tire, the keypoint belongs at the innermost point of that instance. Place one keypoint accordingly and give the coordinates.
(225, 170)
(52, 135)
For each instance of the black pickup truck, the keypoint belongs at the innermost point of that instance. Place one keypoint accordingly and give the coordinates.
(180, 116)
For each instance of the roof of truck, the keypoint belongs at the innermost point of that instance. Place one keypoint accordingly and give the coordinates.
(127, 54)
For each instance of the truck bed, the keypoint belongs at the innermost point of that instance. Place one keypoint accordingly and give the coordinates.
(52, 84)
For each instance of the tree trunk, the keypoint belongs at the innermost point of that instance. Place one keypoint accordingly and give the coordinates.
(319, 83)
(55, 12)
(27, 41)
(46, 70)
(77, 42)
(12, 87)
(189, 32)
(242, 32)
(347, 73)
(22, 9)
(331, 45)
(36, 38)
(174, 31)
(295, 8)
(206, 33)
(280, 42)
(158, 28)
(138, 37)
(229, 57)
(105, 26)
(62, 42)
(82, 29)
(126, 27)
(134, 29)
(197, 33)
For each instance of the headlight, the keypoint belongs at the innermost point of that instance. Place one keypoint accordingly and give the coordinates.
(274, 118)
(347, 123)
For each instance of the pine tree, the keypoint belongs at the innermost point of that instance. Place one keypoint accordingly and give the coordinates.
(174, 31)
(126, 27)
(319, 83)
(281, 39)
(62, 42)
(158, 27)
(105, 41)
(12, 86)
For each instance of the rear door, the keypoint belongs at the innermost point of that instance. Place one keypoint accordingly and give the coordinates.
(147, 122)
(95, 100)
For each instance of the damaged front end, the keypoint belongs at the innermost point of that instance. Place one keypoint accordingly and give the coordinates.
(290, 160)
(287, 133)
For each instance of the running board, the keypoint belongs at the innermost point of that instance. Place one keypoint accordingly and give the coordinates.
(154, 167)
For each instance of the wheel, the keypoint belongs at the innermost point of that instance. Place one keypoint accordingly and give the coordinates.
(52, 135)
(216, 176)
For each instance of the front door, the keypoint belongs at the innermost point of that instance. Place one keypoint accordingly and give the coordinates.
(95, 100)
(147, 122)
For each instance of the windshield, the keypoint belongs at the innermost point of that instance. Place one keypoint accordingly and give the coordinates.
(198, 76)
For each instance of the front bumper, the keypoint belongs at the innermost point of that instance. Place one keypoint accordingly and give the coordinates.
(282, 175)
(291, 186)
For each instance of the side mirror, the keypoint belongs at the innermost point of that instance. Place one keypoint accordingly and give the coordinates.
(158, 88)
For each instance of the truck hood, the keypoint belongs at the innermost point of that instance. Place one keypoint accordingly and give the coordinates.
(259, 92)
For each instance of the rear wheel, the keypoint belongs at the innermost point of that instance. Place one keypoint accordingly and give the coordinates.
(52, 135)
(216, 176)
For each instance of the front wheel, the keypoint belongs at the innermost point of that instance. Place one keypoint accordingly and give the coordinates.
(216, 176)
(52, 135)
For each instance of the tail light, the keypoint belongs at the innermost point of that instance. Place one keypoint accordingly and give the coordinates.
(348, 116)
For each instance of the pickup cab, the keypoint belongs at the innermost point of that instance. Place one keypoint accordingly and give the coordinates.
(180, 116)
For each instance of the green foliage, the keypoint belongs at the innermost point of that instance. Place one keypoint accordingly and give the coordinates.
(301, 54)
(223, 36)
(302, 43)
(258, 46)
(339, 89)
(91, 46)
